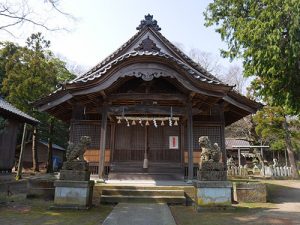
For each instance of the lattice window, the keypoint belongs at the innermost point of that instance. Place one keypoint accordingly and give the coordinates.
(91, 129)
(213, 133)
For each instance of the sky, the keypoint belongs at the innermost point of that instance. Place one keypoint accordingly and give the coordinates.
(102, 26)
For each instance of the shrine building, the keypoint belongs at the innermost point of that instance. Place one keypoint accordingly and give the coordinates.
(144, 107)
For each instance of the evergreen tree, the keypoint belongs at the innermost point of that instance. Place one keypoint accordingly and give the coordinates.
(266, 35)
(30, 73)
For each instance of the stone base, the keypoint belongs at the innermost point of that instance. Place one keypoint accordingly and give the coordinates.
(209, 171)
(40, 188)
(204, 175)
(75, 175)
(76, 165)
(73, 194)
(250, 192)
(212, 194)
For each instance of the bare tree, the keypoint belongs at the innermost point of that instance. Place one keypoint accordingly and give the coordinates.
(14, 14)
(72, 66)
(207, 60)
(234, 76)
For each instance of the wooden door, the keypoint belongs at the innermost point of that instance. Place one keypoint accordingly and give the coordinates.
(129, 143)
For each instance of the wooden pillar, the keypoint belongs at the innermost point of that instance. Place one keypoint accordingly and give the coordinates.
(19, 172)
(223, 145)
(112, 141)
(239, 156)
(190, 142)
(102, 142)
(35, 162)
(182, 146)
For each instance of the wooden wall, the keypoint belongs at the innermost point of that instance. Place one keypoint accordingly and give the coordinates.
(92, 155)
(130, 141)
(8, 141)
(42, 154)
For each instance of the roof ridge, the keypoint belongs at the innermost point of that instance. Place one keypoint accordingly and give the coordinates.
(168, 43)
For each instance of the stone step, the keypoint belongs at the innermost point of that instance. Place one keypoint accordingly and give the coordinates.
(142, 192)
(134, 187)
(143, 199)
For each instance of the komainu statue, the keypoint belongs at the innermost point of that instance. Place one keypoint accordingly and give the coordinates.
(76, 168)
(210, 165)
(209, 153)
(77, 151)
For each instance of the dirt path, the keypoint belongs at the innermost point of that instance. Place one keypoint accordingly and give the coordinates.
(283, 208)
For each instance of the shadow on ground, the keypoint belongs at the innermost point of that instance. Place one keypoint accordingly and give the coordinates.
(17, 210)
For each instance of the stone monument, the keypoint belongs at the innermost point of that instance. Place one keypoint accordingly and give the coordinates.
(74, 188)
(212, 188)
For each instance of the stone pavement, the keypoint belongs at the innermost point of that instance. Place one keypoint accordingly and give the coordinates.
(140, 214)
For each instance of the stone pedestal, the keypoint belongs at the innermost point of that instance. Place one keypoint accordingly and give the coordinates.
(213, 191)
(212, 171)
(73, 194)
(212, 194)
(74, 189)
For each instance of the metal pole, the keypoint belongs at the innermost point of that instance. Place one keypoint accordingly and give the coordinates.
(19, 172)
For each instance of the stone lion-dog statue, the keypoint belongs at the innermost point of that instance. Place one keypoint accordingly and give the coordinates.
(76, 151)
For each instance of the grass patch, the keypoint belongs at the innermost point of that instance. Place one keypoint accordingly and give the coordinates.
(233, 216)
(19, 210)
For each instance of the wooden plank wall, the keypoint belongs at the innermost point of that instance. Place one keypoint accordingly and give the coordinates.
(8, 141)
(92, 155)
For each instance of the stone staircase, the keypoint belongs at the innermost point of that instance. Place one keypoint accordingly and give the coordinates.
(142, 194)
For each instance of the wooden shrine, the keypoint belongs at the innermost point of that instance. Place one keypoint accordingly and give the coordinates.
(147, 100)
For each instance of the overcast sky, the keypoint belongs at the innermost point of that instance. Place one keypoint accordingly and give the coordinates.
(104, 25)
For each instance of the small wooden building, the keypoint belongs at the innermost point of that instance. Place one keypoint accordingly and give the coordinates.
(58, 153)
(147, 100)
(8, 136)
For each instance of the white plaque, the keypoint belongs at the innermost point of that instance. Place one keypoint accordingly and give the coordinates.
(173, 142)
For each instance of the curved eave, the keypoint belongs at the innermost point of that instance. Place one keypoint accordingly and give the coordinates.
(193, 76)
(238, 107)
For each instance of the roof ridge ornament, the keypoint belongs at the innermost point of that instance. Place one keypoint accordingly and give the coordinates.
(147, 45)
(148, 22)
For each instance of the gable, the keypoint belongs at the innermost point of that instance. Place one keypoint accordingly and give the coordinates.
(149, 35)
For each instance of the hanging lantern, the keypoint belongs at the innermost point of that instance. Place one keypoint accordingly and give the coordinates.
(133, 123)
(175, 123)
(119, 121)
(147, 123)
(162, 123)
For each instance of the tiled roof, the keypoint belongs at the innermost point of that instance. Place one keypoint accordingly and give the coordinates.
(8, 108)
(230, 142)
(115, 54)
(98, 73)
(55, 146)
